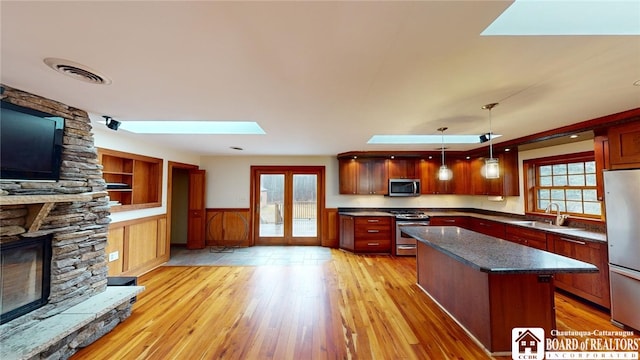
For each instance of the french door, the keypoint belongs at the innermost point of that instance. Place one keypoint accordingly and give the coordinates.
(286, 203)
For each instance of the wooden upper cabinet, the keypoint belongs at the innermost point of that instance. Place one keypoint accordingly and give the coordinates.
(402, 169)
(624, 146)
(506, 185)
(373, 178)
(430, 184)
(363, 176)
(601, 155)
(348, 176)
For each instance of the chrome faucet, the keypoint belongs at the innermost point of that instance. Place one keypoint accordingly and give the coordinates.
(560, 218)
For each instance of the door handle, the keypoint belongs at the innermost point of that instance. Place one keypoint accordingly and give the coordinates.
(373, 231)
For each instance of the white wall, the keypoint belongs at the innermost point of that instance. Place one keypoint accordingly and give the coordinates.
(122, 141)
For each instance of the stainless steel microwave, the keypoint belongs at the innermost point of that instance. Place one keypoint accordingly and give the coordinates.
(404, 187)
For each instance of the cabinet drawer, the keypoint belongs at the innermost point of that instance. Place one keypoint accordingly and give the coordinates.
(448, 221)
(526, 233)
(375, 246)
(373, 232)
(373, 220)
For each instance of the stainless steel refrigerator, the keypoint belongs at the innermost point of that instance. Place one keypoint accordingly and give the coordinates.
(622, 202)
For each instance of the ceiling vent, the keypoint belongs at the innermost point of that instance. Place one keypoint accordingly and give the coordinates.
(77, 71)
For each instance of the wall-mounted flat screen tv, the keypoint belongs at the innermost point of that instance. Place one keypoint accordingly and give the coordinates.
(30, 144)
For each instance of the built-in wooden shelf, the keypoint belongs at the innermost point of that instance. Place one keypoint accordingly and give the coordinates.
(39, 206)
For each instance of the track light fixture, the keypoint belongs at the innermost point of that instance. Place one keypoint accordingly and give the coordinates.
(111, 123)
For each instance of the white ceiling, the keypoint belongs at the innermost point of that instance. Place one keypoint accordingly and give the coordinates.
(319, 77)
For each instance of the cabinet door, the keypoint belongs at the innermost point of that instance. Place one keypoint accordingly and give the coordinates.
(348, 176)
(601, 155)
(593, 287)
(402, 169)
(508, 182)
(373, 177)
(624, 146)
(429, 182)
(460, 182)
(196, 217)
(347, 231)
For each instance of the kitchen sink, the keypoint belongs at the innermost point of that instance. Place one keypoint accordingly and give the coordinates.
(543, 225)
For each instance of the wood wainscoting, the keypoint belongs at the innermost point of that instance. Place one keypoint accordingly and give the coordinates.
(232, 227)
(141, 245)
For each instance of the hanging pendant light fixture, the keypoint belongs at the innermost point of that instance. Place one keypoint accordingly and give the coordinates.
(444, 174)
(491, 168)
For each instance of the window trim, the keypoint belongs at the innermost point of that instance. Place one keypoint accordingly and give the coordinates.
(530, 181)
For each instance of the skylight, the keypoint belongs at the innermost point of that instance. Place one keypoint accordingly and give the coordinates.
(568, 17)
(193, 127)
(426, 139)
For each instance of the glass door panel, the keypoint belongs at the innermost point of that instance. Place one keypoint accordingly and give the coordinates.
(272, 205)
(305, 205)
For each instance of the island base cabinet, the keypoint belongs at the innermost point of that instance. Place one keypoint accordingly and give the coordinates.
(487, 305)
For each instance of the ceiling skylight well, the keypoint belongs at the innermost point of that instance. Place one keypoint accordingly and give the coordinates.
(568, 17)
(426, 139)
(193, 127)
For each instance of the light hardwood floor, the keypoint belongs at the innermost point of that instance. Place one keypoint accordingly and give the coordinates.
(350, 307)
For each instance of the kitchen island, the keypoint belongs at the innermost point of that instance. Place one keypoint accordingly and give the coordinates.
(488, 285)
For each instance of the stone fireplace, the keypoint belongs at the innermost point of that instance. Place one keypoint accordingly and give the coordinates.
(72, 213)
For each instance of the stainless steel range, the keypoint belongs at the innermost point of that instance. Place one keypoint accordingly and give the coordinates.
(406, 245)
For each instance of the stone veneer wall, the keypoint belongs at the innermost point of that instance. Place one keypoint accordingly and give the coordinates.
(79, 265)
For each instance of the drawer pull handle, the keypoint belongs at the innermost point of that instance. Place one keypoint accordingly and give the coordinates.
(449, 221)
(373, 231)
(373, 244)
(373, 220)
(574, 241)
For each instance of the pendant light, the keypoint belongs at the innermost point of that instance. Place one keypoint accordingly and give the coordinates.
(491, 168)
(444, 174)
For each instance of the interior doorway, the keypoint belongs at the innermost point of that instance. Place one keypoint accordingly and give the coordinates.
(287, 203)
(179, 195)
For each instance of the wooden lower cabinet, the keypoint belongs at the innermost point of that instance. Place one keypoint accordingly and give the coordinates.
(593, 287)
(227, 227)
(525, 236)
(366, 234)
(487, 227)
(137, 246)
(460, 221)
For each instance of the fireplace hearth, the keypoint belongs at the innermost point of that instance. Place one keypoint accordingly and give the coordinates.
(25, 276)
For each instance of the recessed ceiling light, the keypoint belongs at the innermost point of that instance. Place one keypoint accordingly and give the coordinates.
(426, 139)
(193, 127)
(531, 17)
(507, 149)
(573, 136)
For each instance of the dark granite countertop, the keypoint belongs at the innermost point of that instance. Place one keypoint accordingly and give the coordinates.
(493, 255)
(367, 213)
(537, 225)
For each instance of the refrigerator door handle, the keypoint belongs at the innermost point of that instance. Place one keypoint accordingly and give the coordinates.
(623, 272)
